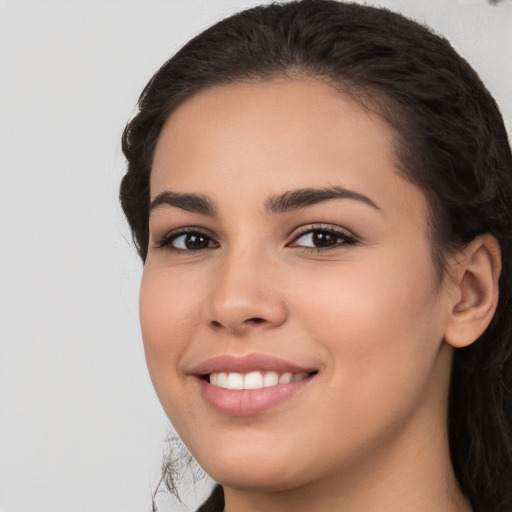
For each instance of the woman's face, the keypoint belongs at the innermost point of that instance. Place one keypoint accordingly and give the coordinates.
(283, 241)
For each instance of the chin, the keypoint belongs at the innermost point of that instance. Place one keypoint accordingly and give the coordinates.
(264, 471)
(262, 478)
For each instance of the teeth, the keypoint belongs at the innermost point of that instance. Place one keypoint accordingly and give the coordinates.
(235, 381)
(285, 378)
(253, 380)
(222, 379)
(270, 379)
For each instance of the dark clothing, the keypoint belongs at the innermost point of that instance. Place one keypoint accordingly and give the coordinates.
(215, 503)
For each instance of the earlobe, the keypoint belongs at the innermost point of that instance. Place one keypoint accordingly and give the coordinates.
(476, 276)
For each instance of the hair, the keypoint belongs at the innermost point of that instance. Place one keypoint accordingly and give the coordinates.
(450, 141)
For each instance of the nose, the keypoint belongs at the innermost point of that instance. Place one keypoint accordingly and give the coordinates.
(245, 295)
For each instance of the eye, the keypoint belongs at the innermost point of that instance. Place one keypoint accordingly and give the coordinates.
(188, 241)
(322, 238)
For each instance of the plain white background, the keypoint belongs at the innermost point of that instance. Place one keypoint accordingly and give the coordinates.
(80, 427)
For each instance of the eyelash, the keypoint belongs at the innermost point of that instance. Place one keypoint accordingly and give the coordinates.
(344, 239)
(166, 241)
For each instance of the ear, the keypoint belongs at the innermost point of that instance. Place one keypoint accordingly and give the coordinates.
(475, 277)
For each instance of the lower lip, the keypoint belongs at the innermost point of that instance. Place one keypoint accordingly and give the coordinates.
(249, 402)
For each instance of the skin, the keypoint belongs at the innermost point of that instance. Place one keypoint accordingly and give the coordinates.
(368, 432)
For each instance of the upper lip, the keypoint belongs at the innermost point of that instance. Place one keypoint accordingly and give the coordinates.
(248, 363)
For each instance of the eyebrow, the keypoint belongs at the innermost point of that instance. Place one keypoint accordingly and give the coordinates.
(195, 203)
(286, 202)
(295, 199)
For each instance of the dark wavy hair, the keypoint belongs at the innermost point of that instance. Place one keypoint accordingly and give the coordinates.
(450, 141)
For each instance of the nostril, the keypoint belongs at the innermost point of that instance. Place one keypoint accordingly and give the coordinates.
(255, 320)
(249, 321)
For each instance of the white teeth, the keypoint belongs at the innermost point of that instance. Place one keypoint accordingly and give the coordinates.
(253, 380)
(235, 381)
(285, 378)
(270, 379)
(222, 379)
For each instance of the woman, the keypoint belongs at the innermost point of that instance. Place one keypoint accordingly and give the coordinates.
(321, 194)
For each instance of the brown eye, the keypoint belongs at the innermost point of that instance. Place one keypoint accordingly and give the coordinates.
(192, 241)
(317, 239)
(323, 239)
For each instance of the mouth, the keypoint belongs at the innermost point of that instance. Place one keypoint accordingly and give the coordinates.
(252, 384)
(254, 379)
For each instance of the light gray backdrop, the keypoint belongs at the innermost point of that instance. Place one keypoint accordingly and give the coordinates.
(80, 427)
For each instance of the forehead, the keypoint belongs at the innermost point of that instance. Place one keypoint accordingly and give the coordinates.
(262, 138)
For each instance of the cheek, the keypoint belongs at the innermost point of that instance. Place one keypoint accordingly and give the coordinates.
(166, 309)
(380, 326)
(376, 318)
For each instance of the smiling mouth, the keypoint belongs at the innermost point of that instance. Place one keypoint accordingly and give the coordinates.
(243, 386)
(254, 379)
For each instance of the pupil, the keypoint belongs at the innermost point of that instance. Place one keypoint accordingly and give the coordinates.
(323, 239)
(195, 242)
